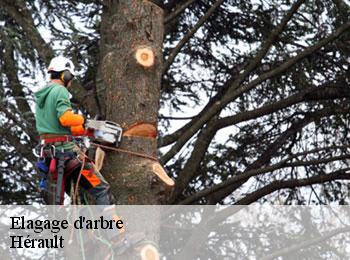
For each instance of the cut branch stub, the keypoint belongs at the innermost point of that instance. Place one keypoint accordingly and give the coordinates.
(149, 252)
(144, 56)
(159, 171)
(99, 158)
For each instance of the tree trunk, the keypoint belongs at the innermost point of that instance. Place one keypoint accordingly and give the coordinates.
(132, 94)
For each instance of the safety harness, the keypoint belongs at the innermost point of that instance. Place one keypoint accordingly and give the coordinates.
(57, 169)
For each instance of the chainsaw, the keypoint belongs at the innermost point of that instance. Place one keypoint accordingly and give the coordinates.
(105, 131)
(110, 133)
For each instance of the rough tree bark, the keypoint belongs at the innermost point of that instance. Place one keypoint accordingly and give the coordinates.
(132, 94)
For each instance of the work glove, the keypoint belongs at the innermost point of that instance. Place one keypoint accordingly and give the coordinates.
(77, 130)
(81, 131)
(70, 119)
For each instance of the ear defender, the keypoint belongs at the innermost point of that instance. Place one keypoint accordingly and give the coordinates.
(66, 76)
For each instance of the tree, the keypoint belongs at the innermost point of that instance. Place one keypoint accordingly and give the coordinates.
(267, 82)
(135, 89)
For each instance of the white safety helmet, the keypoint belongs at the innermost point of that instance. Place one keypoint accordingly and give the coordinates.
(61, 64)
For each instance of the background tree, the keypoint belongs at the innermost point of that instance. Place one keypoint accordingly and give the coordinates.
(253, 94)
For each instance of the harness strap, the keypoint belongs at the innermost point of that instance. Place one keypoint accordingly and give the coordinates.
(142, 155)
(64, 138)
(71, 166)
(59, 184)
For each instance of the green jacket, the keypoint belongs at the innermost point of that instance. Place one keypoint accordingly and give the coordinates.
(51, 102)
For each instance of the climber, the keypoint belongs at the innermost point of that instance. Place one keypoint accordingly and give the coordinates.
(57, 124)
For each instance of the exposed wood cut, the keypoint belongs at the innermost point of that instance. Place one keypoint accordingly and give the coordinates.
(149, 252)
(145, 56)
(99, 158)
(141, 130)
(161, 174)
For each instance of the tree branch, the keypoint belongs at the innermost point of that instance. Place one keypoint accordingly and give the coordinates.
(247, 174)
(189, 34)
(22, 16)
(19, 12)
(14, 141)
(204, 139)
(28, 127)
(190, 169)
(234, 83)
(10, 69)
(272, 38)
(169, 139)
(309, 94)
(278, 185)
(313, 93)
(306, 243)
(271, 150)
(178, 11)
(231, 95)
(263, 159)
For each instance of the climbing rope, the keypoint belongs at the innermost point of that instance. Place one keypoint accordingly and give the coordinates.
(82, 247)
(142, 155)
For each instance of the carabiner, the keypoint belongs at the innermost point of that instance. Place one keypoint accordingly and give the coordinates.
(36, 148)
(42, 151)
(53, 151)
